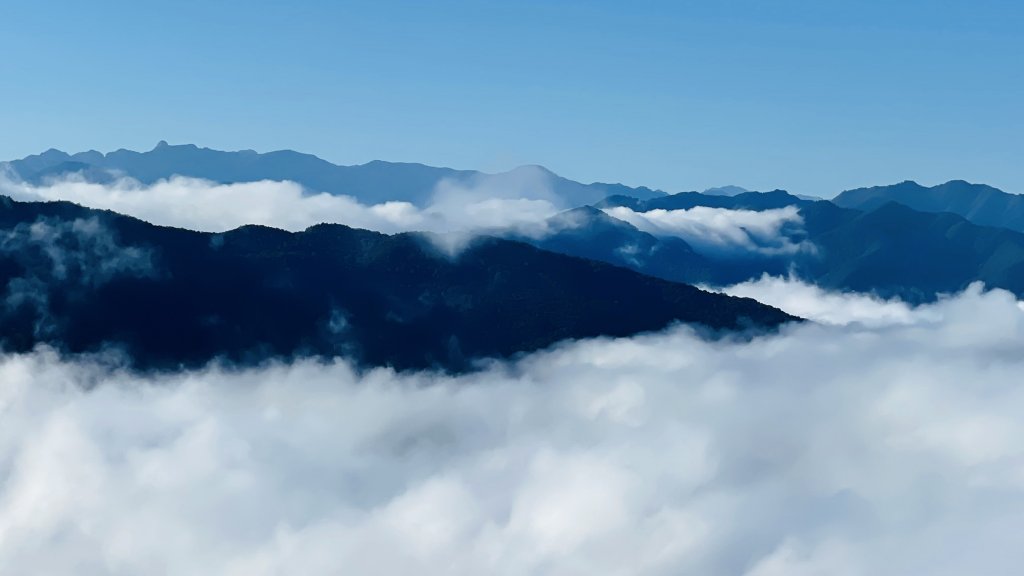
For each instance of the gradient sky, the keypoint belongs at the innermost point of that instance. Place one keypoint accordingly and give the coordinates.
(811, 96)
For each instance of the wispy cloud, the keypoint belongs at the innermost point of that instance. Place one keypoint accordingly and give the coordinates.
(827, 449)
(52, 254)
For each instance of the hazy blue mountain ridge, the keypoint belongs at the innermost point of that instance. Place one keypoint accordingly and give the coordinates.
(978, 203)
(371, 183)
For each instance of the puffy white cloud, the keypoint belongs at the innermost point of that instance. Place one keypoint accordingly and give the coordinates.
(814, 303)
(722, 231)
(861, 447)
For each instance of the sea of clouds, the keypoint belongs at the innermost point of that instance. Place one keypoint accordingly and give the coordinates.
(879, 439)
(884, 440)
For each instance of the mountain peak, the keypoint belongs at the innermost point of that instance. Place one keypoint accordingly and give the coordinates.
(909, 184)
(726, 191)
(163, 146)
(586, 215)
(532, 168)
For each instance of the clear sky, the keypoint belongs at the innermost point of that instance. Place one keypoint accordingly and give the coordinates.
(811, 96)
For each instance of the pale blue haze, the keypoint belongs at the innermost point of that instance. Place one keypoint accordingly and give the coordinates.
(814, 97)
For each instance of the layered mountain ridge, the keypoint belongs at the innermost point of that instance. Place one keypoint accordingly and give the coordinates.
(87, 280)
(978, 203)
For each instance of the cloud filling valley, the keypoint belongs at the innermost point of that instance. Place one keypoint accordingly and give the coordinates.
(852, 447)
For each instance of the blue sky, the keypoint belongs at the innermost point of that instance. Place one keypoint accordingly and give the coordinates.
(814, 97)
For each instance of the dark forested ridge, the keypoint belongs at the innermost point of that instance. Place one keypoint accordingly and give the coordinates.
(83, 280)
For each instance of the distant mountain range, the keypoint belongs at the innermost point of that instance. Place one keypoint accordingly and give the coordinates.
(978, 203)
(589, 232)
(892, 250)
(897, 251)
(371, 183)
(85, 280)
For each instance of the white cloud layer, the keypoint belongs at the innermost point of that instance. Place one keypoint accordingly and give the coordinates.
(720, 230)
(519, 200)
(813, 303)
(828, 449)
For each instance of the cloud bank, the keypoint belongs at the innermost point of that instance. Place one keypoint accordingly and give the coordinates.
(814, 303)
(720, 231)
(520, 200)
(850, 448)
